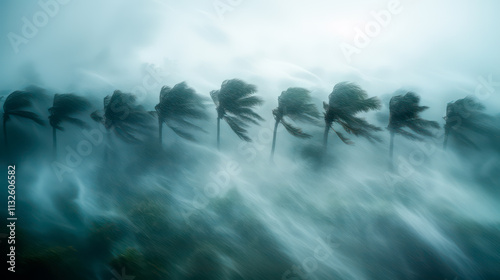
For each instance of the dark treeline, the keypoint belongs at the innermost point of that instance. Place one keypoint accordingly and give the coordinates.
(184, 111)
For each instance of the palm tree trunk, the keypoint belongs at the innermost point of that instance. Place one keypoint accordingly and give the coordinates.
(391, 150)
(218, 133)
(325, 136)
(445, 142)
(54, 142)
(106, 145)
(274, 138)
(160, 131)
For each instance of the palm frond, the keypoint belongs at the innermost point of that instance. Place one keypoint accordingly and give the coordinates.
(179, 105)
(185, 124)
(182, 133)
(232, 90)
(404, 113)
(28, 115)
(238, 127)
(128, 120)
(465, 119)
(119, 106)
(345, 102)
(342, 137)
(248, 102)
(359, 127)
(214, 94)
(295, 131)
(407, 134)
(126, 135)
(352, 99)
(18, 100)
(97, 116)
(235, 102)
(296, 104)
(65, 105)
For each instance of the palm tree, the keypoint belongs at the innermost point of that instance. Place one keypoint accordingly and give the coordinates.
(14, 105)
(345, 102)
(404, 112)
(294, 103)
(234, 102)
(63, 107)
(178, 105)
(122, 115)
(465, 117)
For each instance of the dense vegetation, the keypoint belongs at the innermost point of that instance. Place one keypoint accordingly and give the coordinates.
(138, 226)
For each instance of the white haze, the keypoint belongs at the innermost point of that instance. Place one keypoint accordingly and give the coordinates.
(436, 212)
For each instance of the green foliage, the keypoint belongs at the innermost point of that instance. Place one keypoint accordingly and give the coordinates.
(178, 107)
(295, 103)
(134, 264)
(124, 116)
(404, 112)
(53, 263)
(15, 104)
(235, 101)
(345, 102)
(465, 117)
(66, 105)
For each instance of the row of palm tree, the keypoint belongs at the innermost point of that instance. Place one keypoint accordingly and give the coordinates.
(181, 107)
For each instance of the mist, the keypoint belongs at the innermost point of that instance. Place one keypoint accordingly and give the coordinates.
(99, 207)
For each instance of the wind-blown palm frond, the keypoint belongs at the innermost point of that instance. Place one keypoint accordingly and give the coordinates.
(404, 113)
(295, 131)
(64, 106)
(15, 105)
(16, 102)
(235, 102)
(465, 118)
(345, 102)
(178, 107)
(238, 126)
(124, 116)
(294, 103)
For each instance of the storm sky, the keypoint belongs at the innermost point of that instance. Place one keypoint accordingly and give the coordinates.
(439, 49)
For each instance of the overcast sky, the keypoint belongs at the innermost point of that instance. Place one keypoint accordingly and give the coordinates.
(439, 48)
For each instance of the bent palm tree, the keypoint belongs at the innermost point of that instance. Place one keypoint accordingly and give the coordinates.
(345, 102)
(63, 107)
(404, 112)
(177, 107)
(465, 117)
(234, 102)
(14, 105)
(121, 114)
(294, 103)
